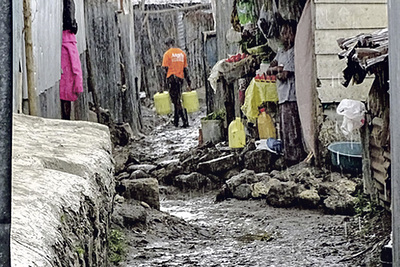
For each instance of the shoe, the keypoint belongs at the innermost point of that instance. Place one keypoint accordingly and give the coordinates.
(186, 125)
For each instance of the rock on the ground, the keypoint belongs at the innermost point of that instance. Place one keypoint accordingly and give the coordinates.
(144, 189)
(260, 189)
(139, 174)
(309, 198)
(193, 181)
(63, 189)
(341, 203)
(144, 167)
(221, 164)
(129, 214)
(260, 160)
(282, 194)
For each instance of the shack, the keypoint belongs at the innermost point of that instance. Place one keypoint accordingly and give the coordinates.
(318, 72)
(366, 55)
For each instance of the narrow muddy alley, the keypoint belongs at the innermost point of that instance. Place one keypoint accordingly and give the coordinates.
(191, 228)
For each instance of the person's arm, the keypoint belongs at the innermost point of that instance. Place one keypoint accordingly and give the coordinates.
(284, 75)
(273, 68)
(189, 83)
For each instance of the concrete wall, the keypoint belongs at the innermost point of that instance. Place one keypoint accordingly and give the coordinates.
(335, 19)
(62, 192)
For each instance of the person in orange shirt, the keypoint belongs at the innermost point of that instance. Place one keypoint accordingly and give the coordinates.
(175, 71)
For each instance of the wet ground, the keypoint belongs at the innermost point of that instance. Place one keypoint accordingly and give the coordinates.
(246, 233)
(194, 230)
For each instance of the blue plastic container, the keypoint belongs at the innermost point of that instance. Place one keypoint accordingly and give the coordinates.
(347, 156)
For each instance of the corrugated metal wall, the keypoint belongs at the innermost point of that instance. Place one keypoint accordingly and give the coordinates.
(111, 60)
(19, 80)
(46, 35)
(335, 19)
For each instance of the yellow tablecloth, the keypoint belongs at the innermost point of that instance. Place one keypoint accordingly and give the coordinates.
(256, 94)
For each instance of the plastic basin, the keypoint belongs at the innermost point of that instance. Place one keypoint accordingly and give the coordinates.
(347, 156)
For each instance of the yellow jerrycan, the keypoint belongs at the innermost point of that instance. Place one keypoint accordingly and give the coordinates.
(190, 101)
(265, 125)
(162, 102)
(236, 134)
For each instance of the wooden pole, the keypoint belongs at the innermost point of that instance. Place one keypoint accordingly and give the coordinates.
(30, 62)
(6, 89)
(394, 78)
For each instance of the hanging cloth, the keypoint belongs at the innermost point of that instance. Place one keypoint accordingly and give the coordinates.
(71, 78)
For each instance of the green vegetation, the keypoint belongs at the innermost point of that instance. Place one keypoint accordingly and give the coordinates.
(80, 251)
(216, 115)
(365, 207)
(262, 236)
(116, 246)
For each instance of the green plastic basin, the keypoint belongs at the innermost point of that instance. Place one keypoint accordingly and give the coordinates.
(347, 156)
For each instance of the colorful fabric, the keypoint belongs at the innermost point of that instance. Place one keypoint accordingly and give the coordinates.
(257, 93)
(175, 60)
(290, 131)
(71, 78)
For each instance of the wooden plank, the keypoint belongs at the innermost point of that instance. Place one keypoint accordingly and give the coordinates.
(351, 16)
(379, 186)
(379, 178)
(331, 90)
(376, 153)
(379, 167)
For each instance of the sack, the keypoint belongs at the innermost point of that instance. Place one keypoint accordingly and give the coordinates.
(353, 115)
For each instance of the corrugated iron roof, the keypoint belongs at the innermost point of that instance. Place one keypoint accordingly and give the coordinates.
(164, 2)
(363, 52)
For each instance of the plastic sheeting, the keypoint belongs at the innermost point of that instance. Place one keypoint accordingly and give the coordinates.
(256, 94)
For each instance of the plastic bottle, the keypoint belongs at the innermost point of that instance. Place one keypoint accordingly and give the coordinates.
(236, 134)
(266, 128)
(162, 102)
(190, 101)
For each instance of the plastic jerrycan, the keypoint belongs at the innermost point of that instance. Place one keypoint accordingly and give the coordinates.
(266, 128)
(236, 134)
(190, 101)
(162, 102)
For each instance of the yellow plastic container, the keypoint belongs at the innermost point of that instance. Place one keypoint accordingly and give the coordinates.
(162, 102)
(236, 134)
(190, 101)
(265, 125)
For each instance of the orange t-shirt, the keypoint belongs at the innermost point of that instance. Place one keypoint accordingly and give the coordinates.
(175, 60)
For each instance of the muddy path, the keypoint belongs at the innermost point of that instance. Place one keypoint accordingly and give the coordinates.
(192, 229)
(196, 231)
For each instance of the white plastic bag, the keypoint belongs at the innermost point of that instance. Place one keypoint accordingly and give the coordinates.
(353, 112)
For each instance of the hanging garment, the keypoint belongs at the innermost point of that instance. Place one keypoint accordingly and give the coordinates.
(71, 78)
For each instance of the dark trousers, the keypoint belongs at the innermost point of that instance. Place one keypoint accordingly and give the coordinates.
(65, 109)
(291, 133)
(175, 91)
